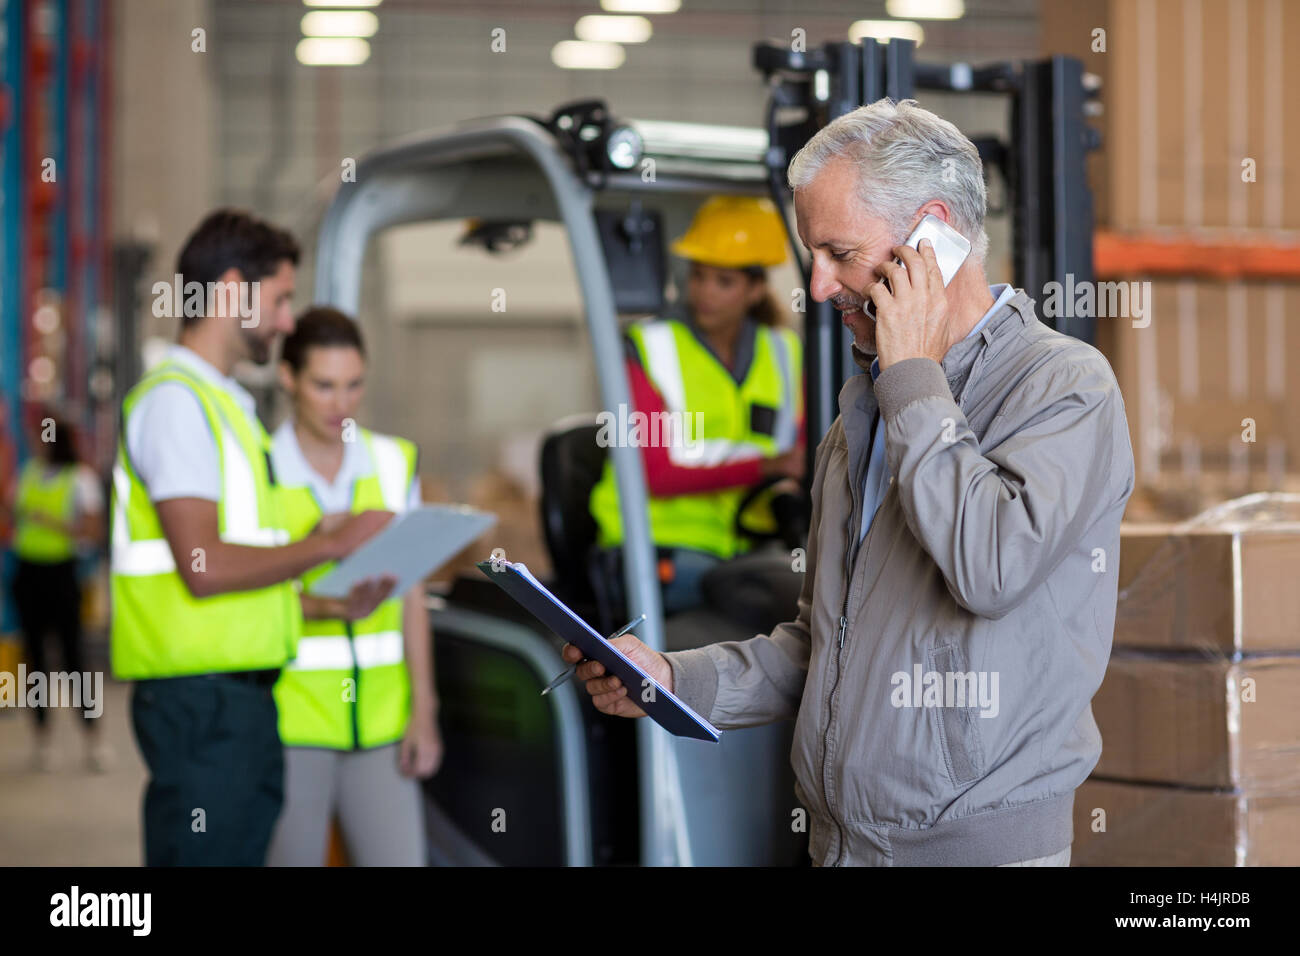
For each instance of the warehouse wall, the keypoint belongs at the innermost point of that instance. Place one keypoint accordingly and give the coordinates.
(261, 131)
(282, 142)
(164, 133)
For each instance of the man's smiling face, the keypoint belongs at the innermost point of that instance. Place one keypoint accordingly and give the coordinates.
(846, 244)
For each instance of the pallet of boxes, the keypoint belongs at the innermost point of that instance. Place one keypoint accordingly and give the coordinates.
(1199, 712)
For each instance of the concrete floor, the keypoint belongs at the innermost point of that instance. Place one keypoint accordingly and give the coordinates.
(71, 816)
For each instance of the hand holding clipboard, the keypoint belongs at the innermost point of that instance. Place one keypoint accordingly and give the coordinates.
(608, 693)
(625, 677)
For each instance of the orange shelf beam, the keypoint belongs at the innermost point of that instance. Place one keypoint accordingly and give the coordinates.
(1197, 255)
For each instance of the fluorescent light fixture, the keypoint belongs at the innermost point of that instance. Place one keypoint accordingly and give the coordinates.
(332, 51)
(339, 23)
(586, 55)
(641, 6)
(925, 9)
(613, 29)
(883, 30)
(342, 3)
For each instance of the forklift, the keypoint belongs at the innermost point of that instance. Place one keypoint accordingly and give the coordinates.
(532, 780)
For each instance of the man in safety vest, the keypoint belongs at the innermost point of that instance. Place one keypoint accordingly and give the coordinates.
(205, 612)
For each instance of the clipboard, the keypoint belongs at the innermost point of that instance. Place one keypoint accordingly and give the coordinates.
(411, 547)
(664, 709)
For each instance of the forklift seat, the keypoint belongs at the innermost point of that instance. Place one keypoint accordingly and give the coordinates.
(571, 464)
(752, 592)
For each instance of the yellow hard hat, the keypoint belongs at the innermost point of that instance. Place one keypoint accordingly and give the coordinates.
(734, 232)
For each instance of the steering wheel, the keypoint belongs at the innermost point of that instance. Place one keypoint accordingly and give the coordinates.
(787, 534)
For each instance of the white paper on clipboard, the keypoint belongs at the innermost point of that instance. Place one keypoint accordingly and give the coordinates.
(411, 547)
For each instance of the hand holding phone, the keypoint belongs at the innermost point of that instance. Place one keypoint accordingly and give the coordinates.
(950, 250)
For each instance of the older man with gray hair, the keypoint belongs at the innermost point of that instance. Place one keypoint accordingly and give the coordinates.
(959, 599)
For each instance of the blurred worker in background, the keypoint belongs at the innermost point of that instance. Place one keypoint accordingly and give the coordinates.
(57, 509)
(730, 366)
(205, 610)
(358, 710)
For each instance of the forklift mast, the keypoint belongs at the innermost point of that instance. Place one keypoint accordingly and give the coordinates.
(1042, 168)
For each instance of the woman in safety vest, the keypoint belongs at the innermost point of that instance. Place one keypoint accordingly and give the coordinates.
(57, 506)
(726, 377)
(357, 706)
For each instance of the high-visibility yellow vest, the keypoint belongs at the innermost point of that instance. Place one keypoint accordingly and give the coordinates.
(348, 688)
(52, 497)
(158, 628)
(720, 421)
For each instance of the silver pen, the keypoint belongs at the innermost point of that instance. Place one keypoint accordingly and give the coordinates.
(573, 669)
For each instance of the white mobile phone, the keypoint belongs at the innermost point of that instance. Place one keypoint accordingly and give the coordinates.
(950, 249)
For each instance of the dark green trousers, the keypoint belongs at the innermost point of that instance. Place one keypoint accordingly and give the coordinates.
(216, 770)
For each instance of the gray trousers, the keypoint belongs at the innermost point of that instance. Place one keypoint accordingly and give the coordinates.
(379, 810)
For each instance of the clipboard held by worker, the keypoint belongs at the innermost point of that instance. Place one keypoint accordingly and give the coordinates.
(410, 547)
(657, 701)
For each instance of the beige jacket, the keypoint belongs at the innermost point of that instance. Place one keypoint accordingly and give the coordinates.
(940, 673)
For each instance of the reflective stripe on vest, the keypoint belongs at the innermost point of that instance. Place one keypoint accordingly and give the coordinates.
(347, 690)
(394, 471)
(664, 367)
(159, 629)
(134, 558)
(786, 432)
(663, 364)
(335, 653)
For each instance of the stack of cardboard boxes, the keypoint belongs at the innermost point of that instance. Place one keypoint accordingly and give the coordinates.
(1199, 712)
(1200, 709)
(1200, 151)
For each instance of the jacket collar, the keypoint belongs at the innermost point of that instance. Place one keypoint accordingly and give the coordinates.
(857, 399)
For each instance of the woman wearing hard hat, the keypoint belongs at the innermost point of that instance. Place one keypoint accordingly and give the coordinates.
(730, 375)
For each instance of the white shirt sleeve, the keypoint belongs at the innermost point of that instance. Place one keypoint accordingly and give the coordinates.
(171, 445)
(90, 498)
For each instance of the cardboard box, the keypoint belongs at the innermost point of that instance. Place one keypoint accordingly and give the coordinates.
(1211, 590)
(1172, 826)
(1193, 90)
(1207, 386)
(1204, 723)
(1190, 88)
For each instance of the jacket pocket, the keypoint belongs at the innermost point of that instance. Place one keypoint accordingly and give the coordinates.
(805, 757)
(963, 748)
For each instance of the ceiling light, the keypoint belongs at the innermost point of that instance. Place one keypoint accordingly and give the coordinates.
(884, 30)
(342, 3)
(332, 51)
(641, 6)
(339, 23)
(586, 55)
(41, 369)
(925, 9)
(613, 29)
